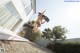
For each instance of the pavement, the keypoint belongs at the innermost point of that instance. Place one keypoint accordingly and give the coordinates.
(22, 47)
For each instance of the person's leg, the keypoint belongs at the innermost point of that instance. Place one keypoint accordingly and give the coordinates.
(35, 27)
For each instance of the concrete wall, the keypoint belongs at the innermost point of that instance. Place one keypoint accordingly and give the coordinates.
(20, 9)
(42, 41)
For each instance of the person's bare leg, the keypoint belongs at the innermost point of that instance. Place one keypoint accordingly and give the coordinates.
(35, 27)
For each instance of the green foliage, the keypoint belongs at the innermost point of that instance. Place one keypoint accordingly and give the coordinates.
(58, 32)
(65, 48)
(32, 36)
(47, 33)
(29, 34)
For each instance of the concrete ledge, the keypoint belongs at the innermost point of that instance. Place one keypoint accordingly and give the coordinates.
(11, 36)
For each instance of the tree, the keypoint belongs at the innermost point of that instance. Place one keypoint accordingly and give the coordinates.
(28, 31)
(47, 33)
(58, 32)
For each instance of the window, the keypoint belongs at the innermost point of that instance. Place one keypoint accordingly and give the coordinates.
(25, 2)
(9, 17)
(28, 9)
(27, 6)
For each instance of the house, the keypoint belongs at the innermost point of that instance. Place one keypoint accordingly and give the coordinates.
(13, 14)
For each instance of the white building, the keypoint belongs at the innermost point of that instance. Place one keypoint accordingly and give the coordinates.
(13, 14)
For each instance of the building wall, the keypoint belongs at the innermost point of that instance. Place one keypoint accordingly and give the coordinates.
(42, 41)
(20, 8)
(18, 11)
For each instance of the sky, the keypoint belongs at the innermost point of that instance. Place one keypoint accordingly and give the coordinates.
(66, 14)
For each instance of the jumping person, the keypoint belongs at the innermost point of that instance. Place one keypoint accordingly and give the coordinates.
(38, 22)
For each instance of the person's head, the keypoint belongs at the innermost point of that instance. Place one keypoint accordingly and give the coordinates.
(39, 13)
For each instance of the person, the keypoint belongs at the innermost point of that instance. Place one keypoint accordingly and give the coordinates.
(38, 22)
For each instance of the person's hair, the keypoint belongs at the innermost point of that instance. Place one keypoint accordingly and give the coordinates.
(39, 13)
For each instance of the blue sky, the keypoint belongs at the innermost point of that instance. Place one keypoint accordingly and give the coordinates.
(66, 14)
